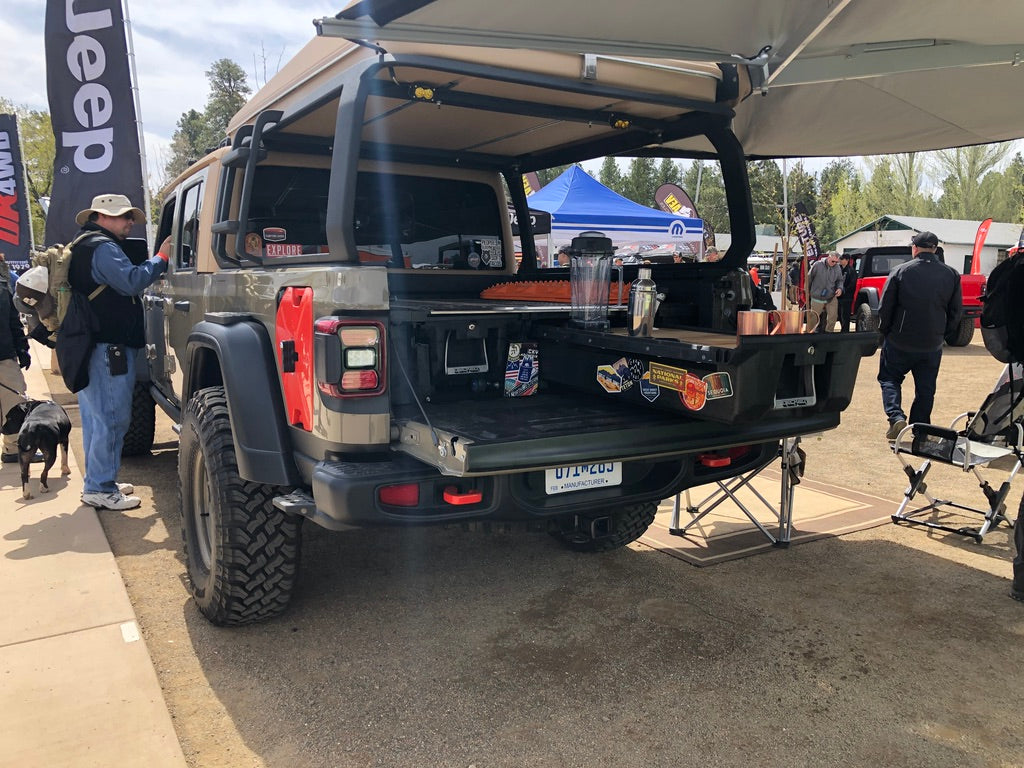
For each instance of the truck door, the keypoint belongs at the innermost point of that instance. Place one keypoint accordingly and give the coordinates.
(153, 306)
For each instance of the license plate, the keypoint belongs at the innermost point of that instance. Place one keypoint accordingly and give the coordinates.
(582, 476)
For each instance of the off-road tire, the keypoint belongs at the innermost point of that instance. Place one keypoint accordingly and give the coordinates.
(627, 524)
(963, 334)
(138, 441)
(866, 320)
(241, 552)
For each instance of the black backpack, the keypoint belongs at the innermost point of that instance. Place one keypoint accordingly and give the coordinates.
(1002, 316)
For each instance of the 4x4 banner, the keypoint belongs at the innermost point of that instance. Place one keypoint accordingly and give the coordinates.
(92, 110)
(15, 230)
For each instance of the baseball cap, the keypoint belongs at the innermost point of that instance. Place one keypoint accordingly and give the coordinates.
(925, 240)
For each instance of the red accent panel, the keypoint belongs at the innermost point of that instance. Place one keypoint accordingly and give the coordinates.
(714, 460)
(295, 323)
(452, 496)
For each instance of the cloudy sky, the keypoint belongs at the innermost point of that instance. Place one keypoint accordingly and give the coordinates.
(175, 43)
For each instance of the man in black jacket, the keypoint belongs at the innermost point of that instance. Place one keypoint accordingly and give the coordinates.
(101, 270)
(921, 303)
(13, 357)
(846, 298)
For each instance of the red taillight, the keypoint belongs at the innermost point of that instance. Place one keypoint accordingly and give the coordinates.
(405, 495)
(354, 352)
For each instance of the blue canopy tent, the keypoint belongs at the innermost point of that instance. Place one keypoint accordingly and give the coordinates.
(578, 202)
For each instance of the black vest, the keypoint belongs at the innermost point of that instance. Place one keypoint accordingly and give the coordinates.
(120, 317)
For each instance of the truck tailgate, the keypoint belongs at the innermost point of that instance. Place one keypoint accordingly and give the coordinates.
(552, 429)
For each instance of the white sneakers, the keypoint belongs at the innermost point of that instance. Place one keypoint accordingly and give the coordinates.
(116, 501)
(126, 488)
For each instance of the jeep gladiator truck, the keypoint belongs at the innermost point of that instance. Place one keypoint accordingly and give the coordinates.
(329, 341)
(873, 266)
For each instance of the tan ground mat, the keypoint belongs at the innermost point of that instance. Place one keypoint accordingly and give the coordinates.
(725, 533)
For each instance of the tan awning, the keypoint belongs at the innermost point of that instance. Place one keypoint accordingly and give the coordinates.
(848, 77)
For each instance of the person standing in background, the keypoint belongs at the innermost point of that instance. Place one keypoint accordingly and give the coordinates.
(921, 304)
(824, 287)
(846, 298)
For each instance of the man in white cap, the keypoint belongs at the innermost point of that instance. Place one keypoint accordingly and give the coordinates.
(101, 270)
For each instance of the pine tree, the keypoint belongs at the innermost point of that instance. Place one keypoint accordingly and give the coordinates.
(610, 175)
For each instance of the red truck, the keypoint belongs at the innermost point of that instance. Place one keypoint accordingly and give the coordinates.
(873, 266)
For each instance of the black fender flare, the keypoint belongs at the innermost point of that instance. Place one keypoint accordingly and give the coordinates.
(868, 296)
(235, 350)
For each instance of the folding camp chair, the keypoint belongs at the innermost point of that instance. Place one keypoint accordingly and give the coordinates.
(793, 459)
(991, 438)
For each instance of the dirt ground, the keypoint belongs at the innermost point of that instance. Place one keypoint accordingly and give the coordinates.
(442, 647)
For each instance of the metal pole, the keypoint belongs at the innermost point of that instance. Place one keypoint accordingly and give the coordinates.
(785, 229)
(24, 186)
(150, 227)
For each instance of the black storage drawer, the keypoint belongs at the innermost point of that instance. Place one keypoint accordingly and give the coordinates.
(712, 376)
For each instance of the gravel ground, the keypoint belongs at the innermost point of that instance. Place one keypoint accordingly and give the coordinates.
(441, 647)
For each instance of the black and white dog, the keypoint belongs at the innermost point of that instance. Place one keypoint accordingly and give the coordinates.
(41, 425)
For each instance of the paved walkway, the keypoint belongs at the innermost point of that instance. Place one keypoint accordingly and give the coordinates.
(77, 686)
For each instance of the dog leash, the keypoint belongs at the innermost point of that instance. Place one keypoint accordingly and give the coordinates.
(19, 394)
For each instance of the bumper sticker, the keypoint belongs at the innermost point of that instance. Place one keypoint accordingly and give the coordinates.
(668, 377)
(694, 395)
(648, 390)
(719, 385)
(609, 379)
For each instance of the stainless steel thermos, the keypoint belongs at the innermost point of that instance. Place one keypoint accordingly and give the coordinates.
(643, 303)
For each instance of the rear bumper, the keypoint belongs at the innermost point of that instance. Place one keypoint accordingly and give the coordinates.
(346, 494)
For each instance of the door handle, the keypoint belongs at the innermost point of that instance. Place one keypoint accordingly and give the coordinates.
(182, 306)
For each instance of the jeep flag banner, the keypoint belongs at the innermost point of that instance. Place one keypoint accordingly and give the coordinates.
(15, 229)
(92, 110)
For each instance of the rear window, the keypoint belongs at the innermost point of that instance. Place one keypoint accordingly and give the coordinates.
(883, 265)
(415, 222)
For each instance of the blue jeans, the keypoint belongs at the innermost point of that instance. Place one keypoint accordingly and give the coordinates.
(106, 410)
(893, 366)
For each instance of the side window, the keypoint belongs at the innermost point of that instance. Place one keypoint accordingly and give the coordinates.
(188, 234)
(166, 220)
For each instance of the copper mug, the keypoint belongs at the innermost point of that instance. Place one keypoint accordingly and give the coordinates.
(794, 321)
(752, 322)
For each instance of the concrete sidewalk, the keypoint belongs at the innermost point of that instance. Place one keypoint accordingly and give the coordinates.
(77, 686)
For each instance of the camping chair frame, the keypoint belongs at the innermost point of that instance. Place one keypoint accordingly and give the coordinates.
(962, 448)
(727, 491)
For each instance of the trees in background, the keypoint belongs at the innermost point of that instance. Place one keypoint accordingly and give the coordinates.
(963, 171)
(197, 132)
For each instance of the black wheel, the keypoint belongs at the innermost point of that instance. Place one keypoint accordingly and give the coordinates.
(241, 552)
(138, 441)
(605, 529)
(962, 336)
(866, 319)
